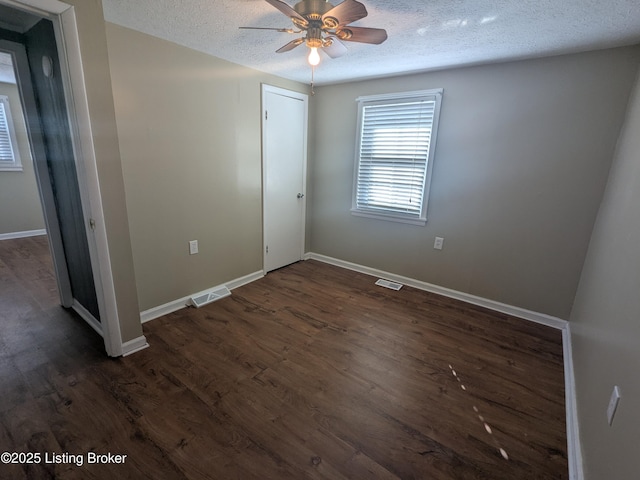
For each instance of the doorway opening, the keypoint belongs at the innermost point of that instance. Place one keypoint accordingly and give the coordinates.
(32, 40)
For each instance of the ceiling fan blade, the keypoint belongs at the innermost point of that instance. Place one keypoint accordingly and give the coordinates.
(345, 13)
(291, 45)
(362, 34)
(287, 10)
(283, 30)
(335, 49)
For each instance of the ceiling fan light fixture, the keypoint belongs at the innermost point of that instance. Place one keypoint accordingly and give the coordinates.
(314, 57)
(313, 42)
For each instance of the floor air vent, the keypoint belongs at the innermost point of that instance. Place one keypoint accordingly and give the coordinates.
(208, 297)
(388, 284)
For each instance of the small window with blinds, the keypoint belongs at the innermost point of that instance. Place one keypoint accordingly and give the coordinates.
(9, 157)
(394, 157)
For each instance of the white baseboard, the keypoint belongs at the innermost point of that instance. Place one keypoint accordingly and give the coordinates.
(574, 448)
(28, 233)
(135, 345)
(87, 317)
(574, 452)
(183, 302)
(541, 318)
(238, 282)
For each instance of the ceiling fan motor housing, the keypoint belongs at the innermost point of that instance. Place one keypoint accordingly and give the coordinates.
(312, 8)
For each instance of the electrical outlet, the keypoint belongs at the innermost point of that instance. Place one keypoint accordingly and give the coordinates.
(438, 243)
(193, 247)
(613, 404)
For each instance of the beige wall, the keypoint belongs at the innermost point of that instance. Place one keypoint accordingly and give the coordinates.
(605, 321)
(522, 158)
(190, 139)
(20, 207)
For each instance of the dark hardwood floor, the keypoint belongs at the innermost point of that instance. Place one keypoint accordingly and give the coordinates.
(312, 372)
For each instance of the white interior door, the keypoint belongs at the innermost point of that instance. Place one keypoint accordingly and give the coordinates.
(284, 147)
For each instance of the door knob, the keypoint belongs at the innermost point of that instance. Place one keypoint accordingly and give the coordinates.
(300, 195)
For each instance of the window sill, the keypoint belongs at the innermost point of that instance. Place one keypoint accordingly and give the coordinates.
(11, 168)
(390, 217)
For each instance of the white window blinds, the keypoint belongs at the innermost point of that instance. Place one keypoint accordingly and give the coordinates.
(394, 155)
(9, 159)
(6, 152)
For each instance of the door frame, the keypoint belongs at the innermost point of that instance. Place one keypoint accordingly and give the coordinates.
(266, 88)
(65, 26)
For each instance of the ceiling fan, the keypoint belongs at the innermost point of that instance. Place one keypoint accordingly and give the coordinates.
(325, 26)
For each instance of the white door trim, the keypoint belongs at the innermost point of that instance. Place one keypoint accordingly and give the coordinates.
(305, 99)
(66, 30)
(82, 137)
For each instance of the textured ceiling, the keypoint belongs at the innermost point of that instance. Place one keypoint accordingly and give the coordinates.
(423, 35)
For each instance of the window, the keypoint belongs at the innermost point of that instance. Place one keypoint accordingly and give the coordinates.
(9, 157)
(394, 157)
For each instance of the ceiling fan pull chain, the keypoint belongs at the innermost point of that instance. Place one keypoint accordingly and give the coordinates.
(313, 69)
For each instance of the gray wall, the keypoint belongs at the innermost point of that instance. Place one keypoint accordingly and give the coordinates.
(605, 320)
(20, 207)
(522, 158)
(190, 140)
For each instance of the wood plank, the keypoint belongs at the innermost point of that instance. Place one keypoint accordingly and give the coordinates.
(311, 372)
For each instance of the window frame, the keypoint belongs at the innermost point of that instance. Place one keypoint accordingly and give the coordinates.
(390, 99)
(15, 165)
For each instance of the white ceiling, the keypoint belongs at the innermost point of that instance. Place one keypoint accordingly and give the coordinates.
(423, 35)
